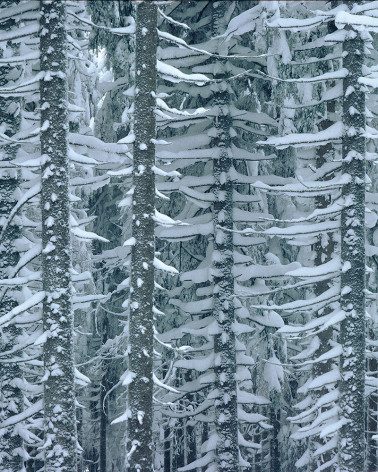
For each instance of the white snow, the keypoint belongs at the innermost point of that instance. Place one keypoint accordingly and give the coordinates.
(359, 22)
(174, 75)
(333, 133)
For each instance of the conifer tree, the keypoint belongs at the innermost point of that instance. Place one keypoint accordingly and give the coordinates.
(60, 441)
(202, 154)
(352, 329)
(140, 454)
(325, 411)
(293, 280)
(223, 261)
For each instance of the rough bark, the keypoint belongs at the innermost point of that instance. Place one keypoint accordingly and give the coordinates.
(140, 454)
(352, 332)
(59, 397)
(226, 416)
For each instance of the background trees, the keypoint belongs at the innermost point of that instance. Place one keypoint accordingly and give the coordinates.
(228, 176)
(12, 397)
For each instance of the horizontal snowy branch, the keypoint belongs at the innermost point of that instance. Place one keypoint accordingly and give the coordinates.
(358, 22)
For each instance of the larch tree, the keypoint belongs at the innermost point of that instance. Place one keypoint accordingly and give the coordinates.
(372, 279)
(60, 443)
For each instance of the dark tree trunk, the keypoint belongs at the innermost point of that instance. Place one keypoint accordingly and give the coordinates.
(352, 332)
(204, 438)
(105, 386)
(59, 398)
(226, 414)
(275, 421)
(140, 453)
(167, 449)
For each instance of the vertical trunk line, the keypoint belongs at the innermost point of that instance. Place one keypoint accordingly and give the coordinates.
(59, 397)
(140, 455)
(226, 414)
(352, 331)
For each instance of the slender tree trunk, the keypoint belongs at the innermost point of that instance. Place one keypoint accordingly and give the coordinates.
(372, 407)
(352, 332)
(59, 397)
(140, 454)
(11, 396)
(372, 424)
(192, 444)
(275, 417)
(204, 438)
(103, 423)
(226, 414)
(179, 445)
(167, 449)
(91, 445)
(105, 386)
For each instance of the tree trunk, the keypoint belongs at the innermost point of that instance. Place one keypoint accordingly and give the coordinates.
(275, 418)
(104, 388)
(59, 397)
(140, 455)
(226, 414)
(352, 332)
(204, 438)
(372, 423)
(167, 449)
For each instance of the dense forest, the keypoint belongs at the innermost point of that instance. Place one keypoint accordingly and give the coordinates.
(189, 236)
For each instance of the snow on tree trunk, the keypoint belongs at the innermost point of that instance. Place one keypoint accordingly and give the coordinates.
(140, 455)
(352, 332)
(59, 397)
(11, 398)
(226, 417)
